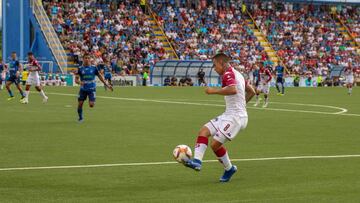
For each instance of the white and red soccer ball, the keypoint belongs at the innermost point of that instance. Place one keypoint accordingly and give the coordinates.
(182, 153)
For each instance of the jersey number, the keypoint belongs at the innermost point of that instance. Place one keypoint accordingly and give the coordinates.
(227, 127)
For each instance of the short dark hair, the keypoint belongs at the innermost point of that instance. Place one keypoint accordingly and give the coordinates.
(14, 52)
(30, 54)
(87, 55)
(221, 56)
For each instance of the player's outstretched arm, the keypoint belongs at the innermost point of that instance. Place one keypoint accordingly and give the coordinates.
(229, 90)
(249, 92)
(101, 78)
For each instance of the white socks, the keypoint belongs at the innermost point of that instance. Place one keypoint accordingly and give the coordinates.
(224, 159)
(42, 93)
(200, 147)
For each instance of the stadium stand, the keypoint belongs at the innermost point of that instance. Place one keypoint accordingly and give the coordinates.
(306, 36)
(118, 31)
(308, 39)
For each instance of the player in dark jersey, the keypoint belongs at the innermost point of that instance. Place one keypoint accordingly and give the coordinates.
(256, 77)
(85, 77)
(14, 69)
(280, 79)
(106, 71)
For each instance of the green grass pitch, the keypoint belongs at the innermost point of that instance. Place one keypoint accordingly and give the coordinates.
(146, 130)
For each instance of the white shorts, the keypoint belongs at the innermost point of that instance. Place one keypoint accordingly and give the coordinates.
(349, 79)
(226, 127)
(264, 88)
(33, 80)
(3, 76)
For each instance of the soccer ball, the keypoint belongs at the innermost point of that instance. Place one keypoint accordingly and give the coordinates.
(182, 153)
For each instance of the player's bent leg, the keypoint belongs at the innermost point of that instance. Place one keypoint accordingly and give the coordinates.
(266, 97)
(27, 92)
(277, 88)
(200, 147)
(42, 93)
(349, 89)
(223, 157)
(80, 110)
(11, 95)
(257, 98)
(18, 86)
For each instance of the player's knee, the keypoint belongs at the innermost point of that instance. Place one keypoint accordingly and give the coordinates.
(91, 105)
(204, 132)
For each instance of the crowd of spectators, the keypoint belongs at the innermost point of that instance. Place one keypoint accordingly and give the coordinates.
(305, 36)
(201, 32)
(115, 32)
(118, 32)
(350, 15)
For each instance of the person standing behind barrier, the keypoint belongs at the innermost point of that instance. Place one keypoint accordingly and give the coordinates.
(145, 77)
(201, 77)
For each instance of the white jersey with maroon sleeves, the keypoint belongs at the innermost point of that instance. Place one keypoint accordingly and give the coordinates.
(265, 76)
(235, 104)
(349, 75)
(264, 81)
(34, 78)
(226, 126)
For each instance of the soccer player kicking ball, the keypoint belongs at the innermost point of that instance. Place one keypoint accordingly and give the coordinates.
(225, 127)
(85, 77)
(33, 79)
(14, 69)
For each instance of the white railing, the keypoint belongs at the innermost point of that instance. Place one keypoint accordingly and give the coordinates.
(50, 34)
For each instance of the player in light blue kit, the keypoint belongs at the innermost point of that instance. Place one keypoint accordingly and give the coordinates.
(85, 77)
(14, 69)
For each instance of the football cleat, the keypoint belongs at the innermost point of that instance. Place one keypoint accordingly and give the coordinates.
(228, 174)
(25, 101)
(45, 100)
(194, 164)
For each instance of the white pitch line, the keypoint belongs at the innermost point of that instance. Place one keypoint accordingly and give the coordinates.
(341, 112)
(172, 162)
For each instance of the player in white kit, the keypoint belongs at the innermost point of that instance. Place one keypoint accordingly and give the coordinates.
(33, 78)
(264, 85)
(349, 78)
(225, 127)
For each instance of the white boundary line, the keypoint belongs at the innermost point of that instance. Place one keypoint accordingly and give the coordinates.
(341, 112)
(172, 162)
